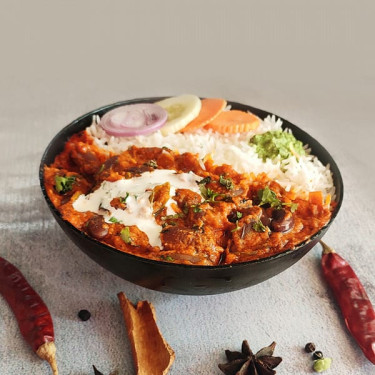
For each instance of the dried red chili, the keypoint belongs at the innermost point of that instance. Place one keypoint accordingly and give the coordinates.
(33, 317)
(352, 298)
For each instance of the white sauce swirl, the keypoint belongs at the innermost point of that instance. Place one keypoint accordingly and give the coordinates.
(138, 206)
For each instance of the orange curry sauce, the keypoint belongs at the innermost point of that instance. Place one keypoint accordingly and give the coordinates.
(227, 223)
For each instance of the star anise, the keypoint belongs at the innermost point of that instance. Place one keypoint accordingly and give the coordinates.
(247, 363)
(97, 372)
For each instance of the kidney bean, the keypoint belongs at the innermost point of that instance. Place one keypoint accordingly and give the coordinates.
(278, 214)
(109, 163)
(96, 227)
(137, 170)
(34, 319)
(265, 219)
(282, 221)
(85, 159)
(356, 308)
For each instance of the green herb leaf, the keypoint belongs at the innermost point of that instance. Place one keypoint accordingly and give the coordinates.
(196, 208)
(206, 180)
(113, 220)
(293, 206)
(171, 217)
(227, 182)
(203, 191)
(123, 199)
(238, 214)
(208, 194)
(268, 196)
(258, 226)
(167, 258)
(152, 163)
(64, 184)
(125, 235)
(236, 228)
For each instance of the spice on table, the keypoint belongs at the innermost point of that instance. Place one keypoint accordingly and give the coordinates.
(247, 363)
(33, 317)
(151, 353)
(97, 372)
(356, 308)
(84, 315)
(317, 355)
(322, 364)
(309, 347)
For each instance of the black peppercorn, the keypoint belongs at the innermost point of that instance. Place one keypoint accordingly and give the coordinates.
(309, 347)
(318, 355)
(84, 315)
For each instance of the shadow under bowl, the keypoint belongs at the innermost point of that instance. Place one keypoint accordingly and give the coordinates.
(180, 278)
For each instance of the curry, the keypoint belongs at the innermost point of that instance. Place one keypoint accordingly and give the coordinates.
(158, 204)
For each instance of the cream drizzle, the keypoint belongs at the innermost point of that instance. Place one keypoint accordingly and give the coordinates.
(138, 206)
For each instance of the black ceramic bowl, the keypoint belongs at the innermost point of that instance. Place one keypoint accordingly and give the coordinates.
(179, 278)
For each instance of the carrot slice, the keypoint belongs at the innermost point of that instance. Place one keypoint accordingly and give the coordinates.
(316, 197)
(151, 353)
(327, 201)
(233, 121)
(211, 108)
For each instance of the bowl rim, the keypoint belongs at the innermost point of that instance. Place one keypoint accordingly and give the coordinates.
(105, 108)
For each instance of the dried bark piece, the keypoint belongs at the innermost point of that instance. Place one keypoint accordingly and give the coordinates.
(151, 353)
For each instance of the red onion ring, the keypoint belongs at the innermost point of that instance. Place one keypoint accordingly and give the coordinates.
(134, 119)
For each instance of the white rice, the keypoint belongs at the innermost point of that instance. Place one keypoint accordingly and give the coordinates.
(303, 175)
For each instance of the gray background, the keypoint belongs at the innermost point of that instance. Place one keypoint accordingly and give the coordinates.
(311, 62)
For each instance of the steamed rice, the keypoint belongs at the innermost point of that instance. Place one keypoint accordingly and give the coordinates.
(303, 175)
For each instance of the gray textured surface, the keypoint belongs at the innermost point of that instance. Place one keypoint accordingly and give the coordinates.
(310, 62)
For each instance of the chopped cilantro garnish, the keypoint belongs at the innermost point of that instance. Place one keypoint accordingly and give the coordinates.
(236, 228)
(227, 182)
(258, 226)
(171, 217)
(125, 235)
(113, 220)
(293, 206)
(123, 199)
(64, 184)
(238, 214)
(268, 196)
(167, 258)
(152, 163)
(208, 194)
(204, 181)
(196, 208)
